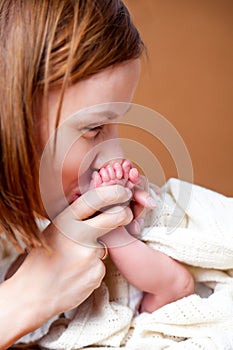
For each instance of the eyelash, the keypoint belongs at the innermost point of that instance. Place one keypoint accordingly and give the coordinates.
(96, 130)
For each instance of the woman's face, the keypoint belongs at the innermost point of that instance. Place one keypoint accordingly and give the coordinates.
(87, 136)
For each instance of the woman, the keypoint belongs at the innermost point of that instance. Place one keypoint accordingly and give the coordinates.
(58, 58)
(47, 46)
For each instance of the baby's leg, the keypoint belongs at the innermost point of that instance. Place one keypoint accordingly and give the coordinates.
(170, 279)
(162, 279)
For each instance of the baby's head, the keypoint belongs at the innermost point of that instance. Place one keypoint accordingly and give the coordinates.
(47, 47)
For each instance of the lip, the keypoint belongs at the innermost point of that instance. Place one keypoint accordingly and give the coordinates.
(73, 195)
(76, 196)
(76, 192)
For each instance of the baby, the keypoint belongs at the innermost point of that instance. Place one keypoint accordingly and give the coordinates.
(161, 278)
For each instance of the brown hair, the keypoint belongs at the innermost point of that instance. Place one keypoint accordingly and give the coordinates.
(46, 44)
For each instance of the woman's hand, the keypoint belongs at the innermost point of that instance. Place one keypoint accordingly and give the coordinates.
(48, 283)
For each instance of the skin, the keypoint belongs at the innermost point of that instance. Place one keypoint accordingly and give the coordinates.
(169, 280)
(46, 283)
(88, 141)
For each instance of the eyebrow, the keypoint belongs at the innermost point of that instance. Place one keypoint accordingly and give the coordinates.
(106, 115)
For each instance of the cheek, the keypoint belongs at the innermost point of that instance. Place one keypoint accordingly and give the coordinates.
(77, 163)
(70, 167)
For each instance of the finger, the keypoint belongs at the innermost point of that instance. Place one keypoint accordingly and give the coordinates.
(143, 183)
(94, 200)
(139, 213)
(109, 220)
(136, 226)
(143, 198)
(87, 232)
(138, 210)
(102, 245)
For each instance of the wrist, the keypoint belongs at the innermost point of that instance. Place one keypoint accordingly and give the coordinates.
(20, 311)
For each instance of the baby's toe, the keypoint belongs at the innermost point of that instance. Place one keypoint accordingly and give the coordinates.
(118, 170)
(104, 175)
(134, 175)
(111, 172)
(126, 166)
(96, 180)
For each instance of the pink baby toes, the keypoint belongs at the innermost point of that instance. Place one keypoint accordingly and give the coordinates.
(116, 174)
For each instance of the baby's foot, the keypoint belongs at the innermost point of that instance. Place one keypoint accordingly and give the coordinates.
(116, 174)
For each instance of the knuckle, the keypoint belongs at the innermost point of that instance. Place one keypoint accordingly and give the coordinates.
(88, 254)
(101, 270)
(115, 193)
(97, 274)
(124, 216)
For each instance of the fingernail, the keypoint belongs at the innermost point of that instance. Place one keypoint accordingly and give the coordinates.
(151, 202)
(141, 222)
(128, 191)
(138, 225)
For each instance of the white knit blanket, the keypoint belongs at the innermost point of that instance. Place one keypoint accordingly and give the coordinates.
(195, 226)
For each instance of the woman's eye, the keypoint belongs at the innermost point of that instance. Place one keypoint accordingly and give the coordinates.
(92, 132)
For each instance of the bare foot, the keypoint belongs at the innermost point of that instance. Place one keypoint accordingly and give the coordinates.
(116, 174)
(125, 175)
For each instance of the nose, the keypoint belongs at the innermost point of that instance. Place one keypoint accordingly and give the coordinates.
(108, 152)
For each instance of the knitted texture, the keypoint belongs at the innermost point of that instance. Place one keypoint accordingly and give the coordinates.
(195, 226)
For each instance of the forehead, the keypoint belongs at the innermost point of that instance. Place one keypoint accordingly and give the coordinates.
(114, 84)
(102, 113)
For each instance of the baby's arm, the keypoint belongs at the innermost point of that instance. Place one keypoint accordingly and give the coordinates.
(163, 279)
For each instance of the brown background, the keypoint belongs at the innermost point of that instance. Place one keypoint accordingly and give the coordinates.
(189, 80)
